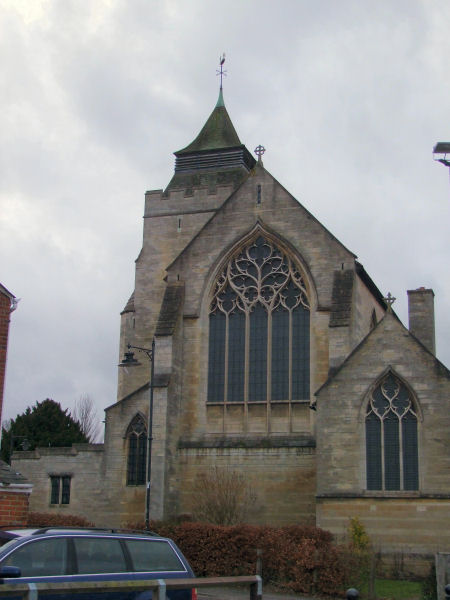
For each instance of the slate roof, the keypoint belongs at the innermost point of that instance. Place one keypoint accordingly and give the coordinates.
(170, 308)
(341, 298)
(9, 476)
(129, 307)
(6, 292)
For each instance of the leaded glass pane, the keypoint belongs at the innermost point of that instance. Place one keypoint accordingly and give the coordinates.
(258, 355)
(280, 355)
(54, 498)
(216, 363)
(410, 453)
(300, 353)
(373, 453)
(132, 456)
(65, 491)
(236, 357)
(141, 460)
(391, 452)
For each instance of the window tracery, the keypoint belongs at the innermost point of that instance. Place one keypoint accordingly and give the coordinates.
(391, 437)
(259, 328)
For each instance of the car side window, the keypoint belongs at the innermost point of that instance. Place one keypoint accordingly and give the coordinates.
(40, 558)
(99, 555)
(153, 555)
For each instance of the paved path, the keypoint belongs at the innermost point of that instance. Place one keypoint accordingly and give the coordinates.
(243, 593)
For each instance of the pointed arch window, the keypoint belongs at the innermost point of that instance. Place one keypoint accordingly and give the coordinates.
(259, 329)
(137, 451)
(391, 438)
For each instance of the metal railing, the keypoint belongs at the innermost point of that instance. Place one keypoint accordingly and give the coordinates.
(158, 587)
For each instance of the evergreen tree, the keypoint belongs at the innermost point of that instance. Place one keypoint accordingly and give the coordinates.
(44, 424)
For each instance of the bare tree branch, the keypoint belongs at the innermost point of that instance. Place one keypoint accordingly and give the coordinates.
(85, 414)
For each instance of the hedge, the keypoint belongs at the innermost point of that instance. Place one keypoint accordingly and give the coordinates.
(302, 559)
(37, 519)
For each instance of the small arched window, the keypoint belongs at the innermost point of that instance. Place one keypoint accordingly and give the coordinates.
(391, 438)
(137, 451)
(259, 329)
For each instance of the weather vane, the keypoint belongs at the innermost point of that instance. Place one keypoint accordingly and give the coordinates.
(221, 71)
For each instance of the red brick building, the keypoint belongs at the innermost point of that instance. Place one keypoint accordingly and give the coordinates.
(8, 303)
(14, 488)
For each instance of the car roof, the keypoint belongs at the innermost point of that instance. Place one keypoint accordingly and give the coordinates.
(12, 533)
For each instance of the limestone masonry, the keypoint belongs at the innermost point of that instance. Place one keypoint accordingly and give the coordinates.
(276, 357)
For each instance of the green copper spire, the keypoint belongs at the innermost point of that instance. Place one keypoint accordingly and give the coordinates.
(218, 132)
(220, 102)
(216, 156)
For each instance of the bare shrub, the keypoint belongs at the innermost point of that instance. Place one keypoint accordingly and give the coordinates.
(85, 414)
(37, 519)
(223, 497)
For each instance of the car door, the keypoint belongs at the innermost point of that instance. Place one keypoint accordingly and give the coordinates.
(158, 559)
(62, 559)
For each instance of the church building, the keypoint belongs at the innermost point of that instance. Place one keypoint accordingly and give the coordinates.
(275, 356)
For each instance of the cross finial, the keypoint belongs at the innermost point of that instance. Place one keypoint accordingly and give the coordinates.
(221, 71)
(390, 300)
(259, 151)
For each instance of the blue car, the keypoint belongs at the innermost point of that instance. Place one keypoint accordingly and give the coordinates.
(71, 555)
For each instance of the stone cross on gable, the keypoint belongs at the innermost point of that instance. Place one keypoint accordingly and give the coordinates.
(390, 300)
(259, 151)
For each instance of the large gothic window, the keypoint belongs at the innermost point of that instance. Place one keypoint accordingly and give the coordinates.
(391, 438)
(259, 329)
(137, 451)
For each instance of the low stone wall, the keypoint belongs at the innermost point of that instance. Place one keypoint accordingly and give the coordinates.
(407, 531)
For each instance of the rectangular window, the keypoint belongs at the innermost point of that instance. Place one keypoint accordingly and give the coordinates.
(60, 489)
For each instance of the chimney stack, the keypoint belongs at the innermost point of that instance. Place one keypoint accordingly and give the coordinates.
(421, 316)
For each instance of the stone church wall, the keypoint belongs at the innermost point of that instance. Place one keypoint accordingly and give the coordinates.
(283, 479)
(415, 521)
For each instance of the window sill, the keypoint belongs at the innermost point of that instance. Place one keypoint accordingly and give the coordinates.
(391, 493)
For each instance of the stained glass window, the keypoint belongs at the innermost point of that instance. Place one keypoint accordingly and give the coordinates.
(137, 451)
(259, 328)
(391, 438)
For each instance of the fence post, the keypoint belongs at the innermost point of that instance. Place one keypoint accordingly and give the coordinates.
(372, 575)
(259, 562)
(160, 592)
(256, 589)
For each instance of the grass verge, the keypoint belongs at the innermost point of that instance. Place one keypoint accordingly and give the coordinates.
(389, 589)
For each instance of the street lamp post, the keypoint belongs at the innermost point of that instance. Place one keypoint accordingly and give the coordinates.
(130, 361)
(441, 153)
(25, 444)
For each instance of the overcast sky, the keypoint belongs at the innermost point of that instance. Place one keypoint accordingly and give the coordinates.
(348, 97)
